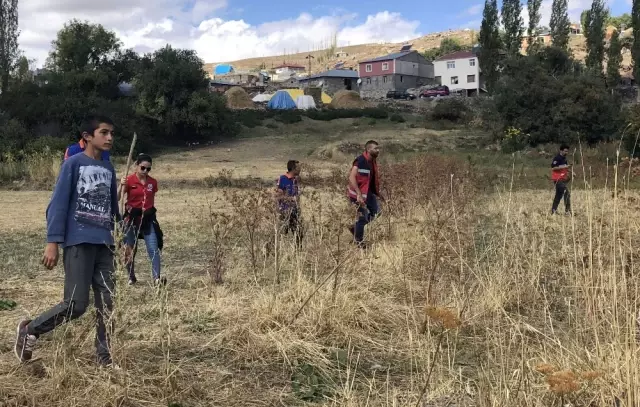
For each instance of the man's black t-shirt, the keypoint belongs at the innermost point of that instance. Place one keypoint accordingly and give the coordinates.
(558, 161)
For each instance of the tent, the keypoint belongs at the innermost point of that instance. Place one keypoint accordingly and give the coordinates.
(262, 97)
(294, 93)
(223, 69)
(281, 101)
(305, 102)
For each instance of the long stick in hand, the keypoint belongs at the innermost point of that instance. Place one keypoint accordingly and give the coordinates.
(126, 171)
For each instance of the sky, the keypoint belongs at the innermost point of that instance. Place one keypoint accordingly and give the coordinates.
(227, 30)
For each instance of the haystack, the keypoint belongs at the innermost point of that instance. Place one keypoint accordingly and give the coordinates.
(347, 99)
(237, 98)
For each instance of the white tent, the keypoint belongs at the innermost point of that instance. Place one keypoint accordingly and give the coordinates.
(305, 102)
(262, 98)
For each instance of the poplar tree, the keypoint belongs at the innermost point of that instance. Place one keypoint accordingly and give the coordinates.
(559, 24)
(533, 6)
(635, 48)
(490, 43)
(596, 18)
(512, 21)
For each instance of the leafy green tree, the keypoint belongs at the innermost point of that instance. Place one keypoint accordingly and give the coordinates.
(552, 99)
(560, 24)
(623, 21)
(614, 59)
(173, 90)
(81, 45)
(513, 28)
(447, 46)
(595, 22)
(490, 43)
(533, 7)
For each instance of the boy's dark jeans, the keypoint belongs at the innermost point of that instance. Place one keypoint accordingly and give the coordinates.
(366, 214)
(290, 218)
(86, 266)
(562, 190)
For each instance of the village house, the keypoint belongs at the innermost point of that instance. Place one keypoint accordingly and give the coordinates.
(399, 71)
(543, 38)
(459, 70)
(333, 81)
(286, 70)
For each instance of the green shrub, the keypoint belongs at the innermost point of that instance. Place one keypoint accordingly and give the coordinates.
(453, 109)
(288, 116)
(375, 112)
(397, 118)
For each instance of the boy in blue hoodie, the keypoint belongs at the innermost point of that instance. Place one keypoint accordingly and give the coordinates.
(80, 218)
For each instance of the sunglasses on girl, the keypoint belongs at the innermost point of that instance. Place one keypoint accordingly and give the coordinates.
(143, 168)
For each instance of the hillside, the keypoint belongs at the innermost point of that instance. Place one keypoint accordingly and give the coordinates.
(326, 59)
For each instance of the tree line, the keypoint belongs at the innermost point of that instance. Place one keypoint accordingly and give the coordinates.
(163, 96)
(547, 95)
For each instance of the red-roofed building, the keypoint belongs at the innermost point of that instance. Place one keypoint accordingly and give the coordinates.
(399, 71)
(459, 71)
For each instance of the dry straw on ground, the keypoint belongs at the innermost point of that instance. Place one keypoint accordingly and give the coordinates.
(329, 325)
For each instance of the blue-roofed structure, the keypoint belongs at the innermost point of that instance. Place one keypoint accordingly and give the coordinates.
(223, 69)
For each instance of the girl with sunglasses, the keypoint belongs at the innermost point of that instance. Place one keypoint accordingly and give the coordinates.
(140, 217)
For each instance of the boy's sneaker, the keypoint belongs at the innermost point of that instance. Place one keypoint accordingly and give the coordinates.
(160, 281)
(25, 343)
(107, 363)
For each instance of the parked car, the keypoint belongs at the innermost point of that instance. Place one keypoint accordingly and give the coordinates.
(400, 94)
(441, 90)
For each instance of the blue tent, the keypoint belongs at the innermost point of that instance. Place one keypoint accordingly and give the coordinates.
(222, 69)
(281, 101)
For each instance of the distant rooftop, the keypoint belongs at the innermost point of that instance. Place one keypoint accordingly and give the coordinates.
(334, 73)
(290, 66)
(457, 55)
(389, 57)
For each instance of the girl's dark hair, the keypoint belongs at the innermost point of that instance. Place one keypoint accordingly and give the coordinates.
(143, 157)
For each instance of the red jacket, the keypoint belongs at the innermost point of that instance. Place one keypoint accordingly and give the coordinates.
(367, 168)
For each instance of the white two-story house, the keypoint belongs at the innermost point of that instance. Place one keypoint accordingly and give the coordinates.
(459, 71)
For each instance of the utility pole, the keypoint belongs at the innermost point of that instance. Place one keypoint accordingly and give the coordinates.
(309, 57)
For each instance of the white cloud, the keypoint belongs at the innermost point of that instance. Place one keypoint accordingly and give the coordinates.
(146, 25)
(473, 10)
(575, 8)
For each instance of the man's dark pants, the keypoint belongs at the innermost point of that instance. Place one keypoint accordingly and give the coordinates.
(366, 214)
(86, 266)
(562, 190)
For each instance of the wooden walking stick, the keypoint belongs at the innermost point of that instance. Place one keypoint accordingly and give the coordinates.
(126, 171)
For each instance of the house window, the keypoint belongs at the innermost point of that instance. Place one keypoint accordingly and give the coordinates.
(451, 65)
(439, 80)
(401, 78)
(369, 68)
(454, 80)
(368, 81)
(471, 78)
(472, 62)
(384, 79)
(385, 66)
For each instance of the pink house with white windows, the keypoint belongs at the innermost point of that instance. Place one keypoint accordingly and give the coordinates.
(398, 71)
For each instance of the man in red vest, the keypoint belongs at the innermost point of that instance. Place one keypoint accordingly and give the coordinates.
(561, 176)
(364, 189)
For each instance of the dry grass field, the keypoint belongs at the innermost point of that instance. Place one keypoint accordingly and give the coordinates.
(467, 296)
